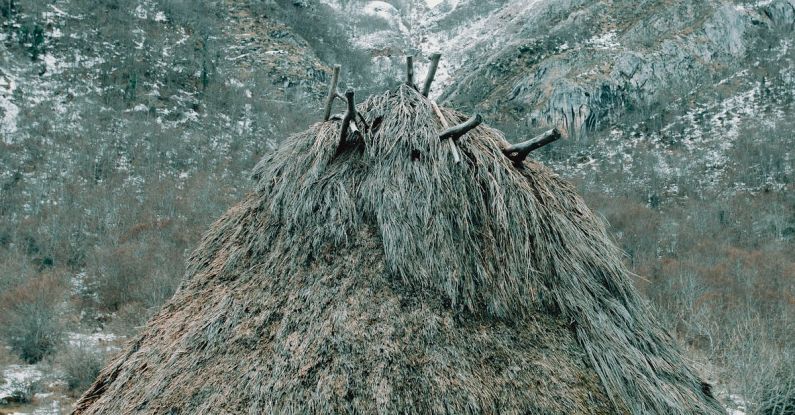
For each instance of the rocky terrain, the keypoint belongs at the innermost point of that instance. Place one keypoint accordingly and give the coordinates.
(127, 126)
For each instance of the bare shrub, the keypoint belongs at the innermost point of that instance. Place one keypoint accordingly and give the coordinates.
(757, 363)
(118, 272)
(142, 271)
(29, 319)
(80, 365)
(15, 268)
(129, 319)
(778, 395)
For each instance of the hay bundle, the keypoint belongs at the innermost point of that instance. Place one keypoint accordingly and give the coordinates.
(377, 276)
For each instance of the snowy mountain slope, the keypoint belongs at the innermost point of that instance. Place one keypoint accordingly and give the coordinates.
(577, 64)
(617, 73)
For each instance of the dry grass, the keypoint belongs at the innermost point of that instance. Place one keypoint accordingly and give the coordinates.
(378, 275)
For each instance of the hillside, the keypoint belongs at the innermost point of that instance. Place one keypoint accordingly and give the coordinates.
(116, 117)
(126, 127)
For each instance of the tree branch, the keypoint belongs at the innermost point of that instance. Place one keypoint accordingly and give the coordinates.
(332, 92)
(349, 116)
(426, 88)
(410, 71)
(455, 132)
(519, 151)
(363, 121)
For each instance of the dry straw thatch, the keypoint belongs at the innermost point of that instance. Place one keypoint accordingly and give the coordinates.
(377, 276)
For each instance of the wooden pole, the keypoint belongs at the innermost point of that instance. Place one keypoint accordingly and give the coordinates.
(519, 151)
(453, 149)
(455, 132)
(426, 88)
(332, 92)
(410, 71)
(349, 115)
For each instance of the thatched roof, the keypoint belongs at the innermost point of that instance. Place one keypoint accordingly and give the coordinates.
(380, 276)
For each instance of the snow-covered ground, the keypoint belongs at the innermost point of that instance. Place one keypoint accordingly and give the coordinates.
(9, 112)
(18, 379)
(53, 407)
(604, 41)
(28, 381)
(99, 341)
(42, 383)
(735, 404)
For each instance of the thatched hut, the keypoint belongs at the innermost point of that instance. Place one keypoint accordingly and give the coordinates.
(371, 273)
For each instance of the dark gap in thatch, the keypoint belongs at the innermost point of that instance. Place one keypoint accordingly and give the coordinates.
(377, 123)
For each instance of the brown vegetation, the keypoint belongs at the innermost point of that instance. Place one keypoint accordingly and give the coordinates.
(30, 317)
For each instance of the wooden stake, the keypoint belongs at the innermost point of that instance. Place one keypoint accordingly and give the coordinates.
(455, 132)
(410, 71)
(519, 151)
(453, 149)
(349, 116)
(332, 92)
(426, 88)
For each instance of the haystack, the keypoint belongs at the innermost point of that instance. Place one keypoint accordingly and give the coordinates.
(371, 273)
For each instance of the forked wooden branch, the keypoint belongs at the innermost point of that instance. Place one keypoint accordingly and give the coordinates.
(455, 132)
(519, 151)
(349, 116)
(332, 92)
(363, 121)
(439, 114)
(410, 71)
(426, 87)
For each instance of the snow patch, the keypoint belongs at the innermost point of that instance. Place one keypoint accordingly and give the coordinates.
(49, 61)
(140, 12)
(478, 32)
(58, 12)
(605, 41)
(53, 409)
(388, 12)
(737, 405)
(94, 341)
(18, 378)
(235, 83)
(9, 112)
(80, 284)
